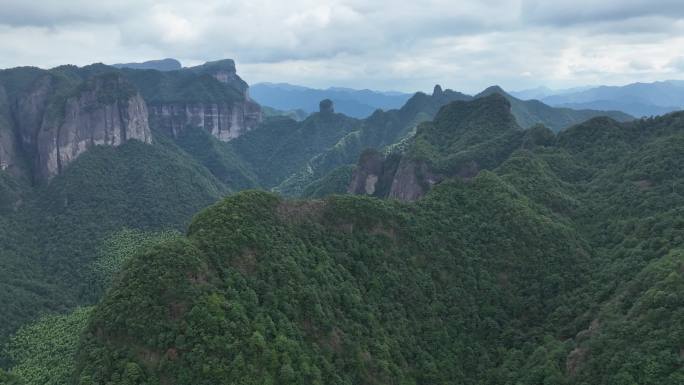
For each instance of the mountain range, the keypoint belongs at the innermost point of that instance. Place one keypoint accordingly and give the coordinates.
(354, 103)
(636, 99)
(156, 227)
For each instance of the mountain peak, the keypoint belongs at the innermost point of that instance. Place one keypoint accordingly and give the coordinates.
(326, 106)
(437, 91)
(492, 90)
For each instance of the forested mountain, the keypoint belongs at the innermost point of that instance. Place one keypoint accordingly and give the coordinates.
(381, 129)
(513, 254)
(531, 112)
(394, 127)
(83, 155)
(559, 261)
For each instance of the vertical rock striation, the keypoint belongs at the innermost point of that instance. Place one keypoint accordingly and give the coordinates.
(225, 121)
(8, 144)
(55, 129)
(219, 105)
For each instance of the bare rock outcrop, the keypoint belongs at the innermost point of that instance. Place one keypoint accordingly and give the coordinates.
(225, 121)
(105, 110)
(225, 118)
(365, 177)
(411, 181)
(8, 140)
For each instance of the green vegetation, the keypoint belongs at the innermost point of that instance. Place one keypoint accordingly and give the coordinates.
(482, 132)
(335, 291)
(44, 351)
(117, 250)
(269, 113)
(381, 129)
(534, 257)
(336, 182)
(180, 87)
(57, 232)
(219, 158)
(282, 146)
(563, 264)
(532, 112)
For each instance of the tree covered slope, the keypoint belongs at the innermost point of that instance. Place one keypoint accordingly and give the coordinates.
(51, 237)
(561, 263)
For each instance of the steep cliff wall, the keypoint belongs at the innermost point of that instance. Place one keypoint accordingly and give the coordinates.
(106, 112)
(8, 140)
(464, 138)
(211, 97)
(412, 180)
(225, 121)
(392, 176)
(56, 125)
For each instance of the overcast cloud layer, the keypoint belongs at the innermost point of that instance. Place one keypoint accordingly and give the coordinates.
(464, 45)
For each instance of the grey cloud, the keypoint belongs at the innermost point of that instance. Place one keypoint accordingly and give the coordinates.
(568, 13)
(380, 44)
(677, 64)
(51, 13)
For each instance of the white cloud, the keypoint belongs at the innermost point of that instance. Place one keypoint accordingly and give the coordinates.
(465, 45)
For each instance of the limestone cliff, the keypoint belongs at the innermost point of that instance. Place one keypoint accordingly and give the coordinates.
(54, 128)
(50, 117)
(464, 138)
(225, 121)
(412, 180)
(211, 97)
(366, 175)
(393, 176)
(8, 141)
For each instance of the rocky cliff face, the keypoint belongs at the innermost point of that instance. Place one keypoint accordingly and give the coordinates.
(225, 111)
(412, 180)
(464, 138)
(393, 177)
(94, 117)
(225, 121)
(8, 142)
(366, 175)
(55, 130)
(49, 118)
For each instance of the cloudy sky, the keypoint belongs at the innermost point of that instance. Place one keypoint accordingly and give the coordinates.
(464, 45)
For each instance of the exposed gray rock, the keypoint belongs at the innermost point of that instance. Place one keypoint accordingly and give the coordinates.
(326, 106)
(412, 180)
(393, 176)
(7, 137)
(30, 109)
(225, 121)
(437, 91)
(366, 175)
(106, 111)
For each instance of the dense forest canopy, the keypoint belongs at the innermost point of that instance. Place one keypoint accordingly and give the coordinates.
(525, 256)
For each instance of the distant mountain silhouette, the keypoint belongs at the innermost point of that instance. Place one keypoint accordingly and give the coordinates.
(351, 102)
(638, 99)
(531, 112)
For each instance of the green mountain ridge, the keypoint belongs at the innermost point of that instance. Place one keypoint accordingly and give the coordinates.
(531, 112)
(384, 129)
(56, 230)
(526, 256)
(562, 262)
